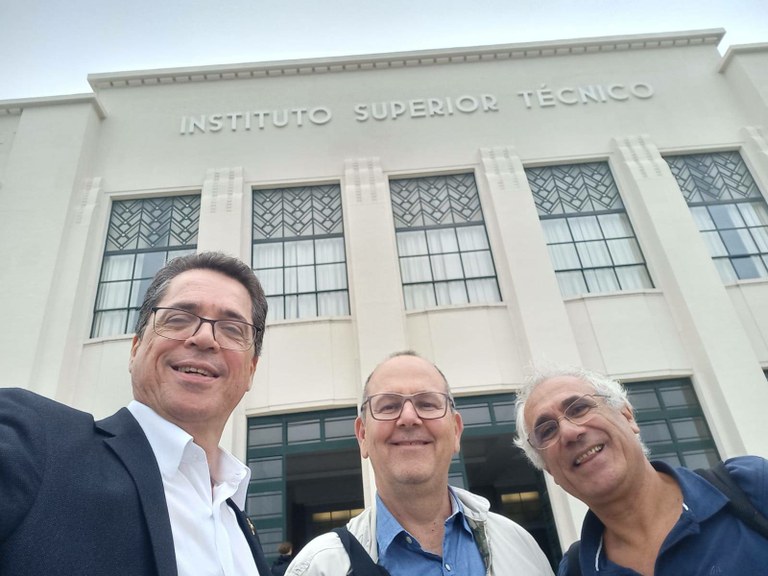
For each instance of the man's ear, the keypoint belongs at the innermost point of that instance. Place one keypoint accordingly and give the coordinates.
(360, 435)
(134, 347)
(254, 362)
(629, 414)
(459, 428)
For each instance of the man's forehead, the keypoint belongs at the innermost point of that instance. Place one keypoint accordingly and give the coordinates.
(198, 287)
(559, 392)
(405, 371)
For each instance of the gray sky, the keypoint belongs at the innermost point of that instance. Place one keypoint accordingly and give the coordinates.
(48, 47)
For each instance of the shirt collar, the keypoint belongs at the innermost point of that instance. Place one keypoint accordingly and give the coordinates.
(700, 501)
(172, 445)
(167, 440)
(232, 471)
(388, 528)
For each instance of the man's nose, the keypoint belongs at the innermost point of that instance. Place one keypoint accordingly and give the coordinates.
(568, 430)
(408, 414)
(204, 336)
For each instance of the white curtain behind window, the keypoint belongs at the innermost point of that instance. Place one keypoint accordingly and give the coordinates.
(571, 283)
(118, 267)
(483, 290)
(419, 296)
(633, 277)
(110, 323)
(601, 280)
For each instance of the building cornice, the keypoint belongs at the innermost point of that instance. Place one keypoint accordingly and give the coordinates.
(740, 49)
(405, 59)
(16, 107)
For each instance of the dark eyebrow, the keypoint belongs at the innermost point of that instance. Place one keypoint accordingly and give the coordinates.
(194, 307)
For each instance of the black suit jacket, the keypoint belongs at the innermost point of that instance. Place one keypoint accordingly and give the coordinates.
(83, 497)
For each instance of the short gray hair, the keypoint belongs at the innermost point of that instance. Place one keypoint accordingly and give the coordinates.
(614, 392)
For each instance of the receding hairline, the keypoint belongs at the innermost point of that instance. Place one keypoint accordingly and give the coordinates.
(404, 354)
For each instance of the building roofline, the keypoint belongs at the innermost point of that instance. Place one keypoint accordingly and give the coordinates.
(405, 59)
(738, 49)
(17, 106)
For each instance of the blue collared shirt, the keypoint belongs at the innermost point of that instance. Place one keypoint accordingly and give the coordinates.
(707, 539)
(401, 554)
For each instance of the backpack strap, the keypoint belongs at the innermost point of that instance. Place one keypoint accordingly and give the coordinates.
(574, 567)
(739, 503)
(361, 561)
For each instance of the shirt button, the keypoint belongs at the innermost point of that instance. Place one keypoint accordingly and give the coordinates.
(409, 539)
(448, 567)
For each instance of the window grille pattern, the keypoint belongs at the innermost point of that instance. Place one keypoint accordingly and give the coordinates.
(142, 236)
(445, 257)
(298, 251)
(589, 237)
(729, 211)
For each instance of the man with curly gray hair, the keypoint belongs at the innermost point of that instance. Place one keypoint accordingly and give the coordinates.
(645, 517)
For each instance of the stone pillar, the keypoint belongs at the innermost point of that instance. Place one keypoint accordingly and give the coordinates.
(225, 219)
(67, 318)
(719, 347)
(755, 154)
(375, 292)
(49, 151)
(529, 288)
(225, 215)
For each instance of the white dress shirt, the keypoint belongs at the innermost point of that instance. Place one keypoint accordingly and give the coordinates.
(206, 536)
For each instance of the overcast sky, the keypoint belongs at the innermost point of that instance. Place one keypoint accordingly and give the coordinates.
(48, 47)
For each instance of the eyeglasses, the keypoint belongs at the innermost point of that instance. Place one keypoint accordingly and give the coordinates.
(578, 412)
(177, 324)
(428, 405)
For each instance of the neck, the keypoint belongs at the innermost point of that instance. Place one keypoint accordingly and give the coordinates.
(422, 513)
(637, 524)
(209, 442)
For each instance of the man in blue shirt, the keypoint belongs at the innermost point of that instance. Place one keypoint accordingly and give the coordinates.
(409, 429)
(644, 517)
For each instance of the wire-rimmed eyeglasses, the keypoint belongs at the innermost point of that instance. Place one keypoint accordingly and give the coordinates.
(578, 412)
(389, 406)
(178, 324)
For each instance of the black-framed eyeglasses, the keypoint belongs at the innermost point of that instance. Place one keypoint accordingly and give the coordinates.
(578, 412)
(178, 324)
(389, 406)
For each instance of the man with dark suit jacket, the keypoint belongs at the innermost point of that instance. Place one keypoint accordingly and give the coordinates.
(147, 491)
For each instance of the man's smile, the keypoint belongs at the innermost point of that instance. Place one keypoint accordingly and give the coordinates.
(588, 454)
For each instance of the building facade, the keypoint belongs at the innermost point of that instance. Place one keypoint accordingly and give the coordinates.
(597, 202)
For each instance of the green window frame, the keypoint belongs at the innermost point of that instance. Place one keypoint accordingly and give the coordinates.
(672, 422)
(271, 439)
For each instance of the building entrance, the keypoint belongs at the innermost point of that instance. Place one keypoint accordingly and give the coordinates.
(307, 473)
(493, 467)
(324, 490)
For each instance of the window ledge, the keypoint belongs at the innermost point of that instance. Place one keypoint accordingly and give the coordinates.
(453, 307)
(312, 320)
(105, 339)
(620, 294)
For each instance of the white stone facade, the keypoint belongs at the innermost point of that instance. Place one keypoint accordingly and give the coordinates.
(359, 121)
